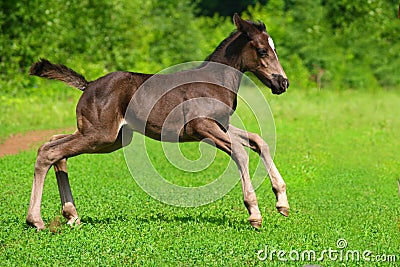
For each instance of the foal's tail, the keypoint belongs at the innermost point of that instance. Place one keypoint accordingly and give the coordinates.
(46, 69)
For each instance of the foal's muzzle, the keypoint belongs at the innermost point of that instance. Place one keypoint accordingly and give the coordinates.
(279, 84)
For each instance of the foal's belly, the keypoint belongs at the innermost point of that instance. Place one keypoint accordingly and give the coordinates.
(158, 125)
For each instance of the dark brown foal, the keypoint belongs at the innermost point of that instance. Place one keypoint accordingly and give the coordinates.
(201, 102)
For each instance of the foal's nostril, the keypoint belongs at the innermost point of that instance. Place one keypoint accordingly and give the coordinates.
(283, 82)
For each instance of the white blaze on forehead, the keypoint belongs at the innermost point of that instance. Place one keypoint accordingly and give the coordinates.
(272, 45)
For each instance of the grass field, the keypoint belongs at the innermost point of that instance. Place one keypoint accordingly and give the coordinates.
(337, 151)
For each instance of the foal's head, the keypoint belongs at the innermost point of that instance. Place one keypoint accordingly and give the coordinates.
(259, 55)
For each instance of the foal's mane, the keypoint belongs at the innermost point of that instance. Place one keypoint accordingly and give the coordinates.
(235, 35)
(223, 44)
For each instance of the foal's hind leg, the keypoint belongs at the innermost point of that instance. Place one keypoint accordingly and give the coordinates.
(256, 143)
(54, 151)
(67, 201)
(64, 188)
(43, 163)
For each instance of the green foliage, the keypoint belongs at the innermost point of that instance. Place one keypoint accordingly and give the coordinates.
(369, 41)
(322, 43)
(225, 7)
(342, 43)
(96, 36)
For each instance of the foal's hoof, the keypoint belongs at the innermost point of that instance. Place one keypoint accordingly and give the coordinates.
(255, 221)
(38, 224)
(283, 210)
(74, 221)
(69, 212)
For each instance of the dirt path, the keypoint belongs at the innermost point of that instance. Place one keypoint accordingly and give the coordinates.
(29, 140)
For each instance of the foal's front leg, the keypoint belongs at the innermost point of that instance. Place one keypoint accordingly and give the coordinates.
(230, 144)
(257, 144)
(239, 155)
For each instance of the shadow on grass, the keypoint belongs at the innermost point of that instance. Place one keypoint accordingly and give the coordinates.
(172, 219)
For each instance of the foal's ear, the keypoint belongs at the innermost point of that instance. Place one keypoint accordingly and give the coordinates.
(244, 26)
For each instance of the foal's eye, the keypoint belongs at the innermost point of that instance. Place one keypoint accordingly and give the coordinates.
(262, 52)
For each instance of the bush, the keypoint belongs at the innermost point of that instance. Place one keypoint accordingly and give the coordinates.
(328, 44)
(96, 36)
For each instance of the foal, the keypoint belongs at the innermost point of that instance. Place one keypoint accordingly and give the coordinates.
(114, 103)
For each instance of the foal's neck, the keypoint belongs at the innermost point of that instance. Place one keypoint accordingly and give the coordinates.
(229, 51)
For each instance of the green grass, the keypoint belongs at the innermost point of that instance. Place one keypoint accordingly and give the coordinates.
(38, 110)
(337, 151)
